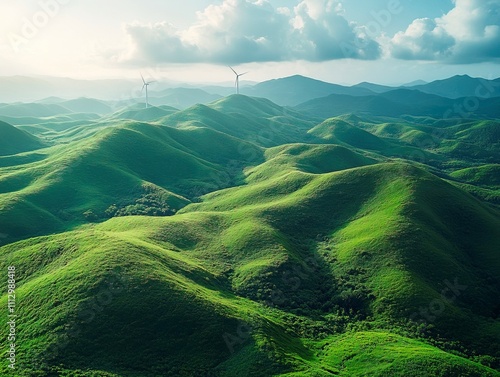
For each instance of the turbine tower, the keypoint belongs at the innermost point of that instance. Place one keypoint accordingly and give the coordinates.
(145, 85)
(237, 83)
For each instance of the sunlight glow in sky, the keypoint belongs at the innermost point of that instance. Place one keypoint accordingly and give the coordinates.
(344, 41)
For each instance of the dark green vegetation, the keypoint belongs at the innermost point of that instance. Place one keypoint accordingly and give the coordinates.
(461, 86)
(397, 103)
(14, 140)
(242, 238)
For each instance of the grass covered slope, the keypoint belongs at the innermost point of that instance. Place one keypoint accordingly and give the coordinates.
(368, 212)
(392, 235)
(242, 238)
(32, 110)
(486, 175)
(309, 158)
(447, 144)
(116, 303)
(340, 132)
(136, 168)
(14, 140)
(326, 250)
(140, 113)
(380, 354)
(389, 140)
(256, 120)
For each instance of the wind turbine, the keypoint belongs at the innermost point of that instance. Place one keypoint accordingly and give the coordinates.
(237, 83)
(145, 85)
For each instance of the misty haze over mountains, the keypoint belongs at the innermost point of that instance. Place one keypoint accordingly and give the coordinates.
(30, 89)
(288, 91)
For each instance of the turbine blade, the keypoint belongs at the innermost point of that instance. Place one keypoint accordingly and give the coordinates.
(241, 74)
(142, 77)
(233, 70)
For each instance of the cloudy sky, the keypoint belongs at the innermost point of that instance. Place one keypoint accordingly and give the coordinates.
(343, 41)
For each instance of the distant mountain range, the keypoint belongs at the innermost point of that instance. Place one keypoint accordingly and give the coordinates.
(297, 89)
(291, 91)
(400, 102)
(287, 91)
(462, 86)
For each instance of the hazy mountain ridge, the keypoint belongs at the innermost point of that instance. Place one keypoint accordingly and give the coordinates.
(462, 86)
(294, 90)
(289, 91)
(399, 103)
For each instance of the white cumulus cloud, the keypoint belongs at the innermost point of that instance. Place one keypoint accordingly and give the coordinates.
(469, 33)
(242, 31)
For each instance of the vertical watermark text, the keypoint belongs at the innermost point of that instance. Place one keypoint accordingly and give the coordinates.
(11, 316)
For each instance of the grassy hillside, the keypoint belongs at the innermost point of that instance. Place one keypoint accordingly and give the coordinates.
(486, 175)
(340, 132)
(316, 159)
(242, 238)
(256, 120)
(14, 140)
(384, 139)
(86, 105)
(380, 229)
(385, 354)
(32, 109)
(320, 277)
(55, 122)
(445, 144)
(114, 330)
(481, 140)
(136, 168)
(140, 113)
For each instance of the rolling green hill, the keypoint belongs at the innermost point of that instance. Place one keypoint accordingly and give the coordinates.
(135, 168)
(86, 105)
(316, 159)
(487, 175)
(139, 113)
(484, 135)
(56, 122)
(340, 132)
(14, 140)
(247, 281)
(243, 238)
(256, 120)
(32, 109)
(384, 139)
